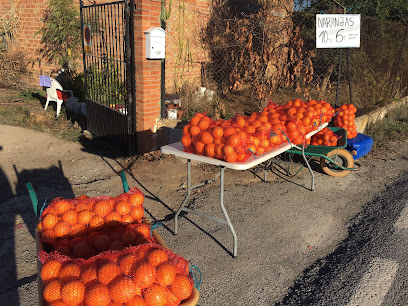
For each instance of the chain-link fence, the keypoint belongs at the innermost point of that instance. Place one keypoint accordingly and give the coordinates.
(239, 54)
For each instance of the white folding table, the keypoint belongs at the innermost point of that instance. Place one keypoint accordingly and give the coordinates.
(177, 150)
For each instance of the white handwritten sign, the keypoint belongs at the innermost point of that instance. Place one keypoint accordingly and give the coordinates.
(338, 31)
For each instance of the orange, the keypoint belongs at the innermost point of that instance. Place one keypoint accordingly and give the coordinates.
(144, 230)
(112, 219)
(69, 271)
(144, 275)
(181, 266)
(181, 287)
(199, 147)
(157, 256)
(127, 262)
(136, 301)
(229, 131)
(96, 223)
(240, 122)
(78, 230)
(165, 274)
(70, 217)
(217, 132)
(49, 221)
(52, 291)
(82, 250)
(102, 242)
(89, 275)
(136, 199)
(123, 207)
(61, 206)
(209, 149)
(61, 229)
(186, 141)
(186, 129)
(171, 298)
(82, 206)
(122, 289)
(102, 208)
(263, 119)
(155, 295)
(195, 120)
(137, 213)
(219, 149)
(73, 292)
(97, 295)
(233, 140)
(108, 272)
(47, 235)
(291, 126)
(204, 123)
(206, 138)
(228, 150)
(231, 158)
(129, 237)
(126, 219)
(194, 130)
(85, 216)
(250, 129)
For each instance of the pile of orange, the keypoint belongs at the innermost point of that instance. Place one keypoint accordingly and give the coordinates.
(236, 139)
(96, 242)
(324, 137)
(67, 219)
(142, 275)
(345, 119)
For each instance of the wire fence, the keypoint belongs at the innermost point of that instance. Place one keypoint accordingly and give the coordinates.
(240, 54)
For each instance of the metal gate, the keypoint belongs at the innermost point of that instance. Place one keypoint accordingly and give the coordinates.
(109, 66)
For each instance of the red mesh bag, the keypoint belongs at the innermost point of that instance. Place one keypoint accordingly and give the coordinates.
(325, 137)
(78, 217)
(96, 242)
(345, 119)
(148, 273)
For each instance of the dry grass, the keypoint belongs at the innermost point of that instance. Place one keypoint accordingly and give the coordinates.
(21, 109)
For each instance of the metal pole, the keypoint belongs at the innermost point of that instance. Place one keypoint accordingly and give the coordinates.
(349, 76)
(81, 5)
(234, 253)
(338, 78)
(186, 198)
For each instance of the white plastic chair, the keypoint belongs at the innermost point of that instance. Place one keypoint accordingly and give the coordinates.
(52, 94)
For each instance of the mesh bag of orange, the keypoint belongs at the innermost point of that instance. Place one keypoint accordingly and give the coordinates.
(97, 242)
(345, 119)
(325, 137)
(139, 275)
(71, 218)
(236, 139)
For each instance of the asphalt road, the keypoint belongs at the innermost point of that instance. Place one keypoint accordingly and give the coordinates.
(369, 267)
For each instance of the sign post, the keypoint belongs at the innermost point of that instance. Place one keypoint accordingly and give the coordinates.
(339, 31)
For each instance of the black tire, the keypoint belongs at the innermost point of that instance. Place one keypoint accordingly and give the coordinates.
(340, 156)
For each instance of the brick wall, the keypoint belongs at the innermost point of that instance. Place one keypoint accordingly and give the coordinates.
(148, 73)
(185, 53)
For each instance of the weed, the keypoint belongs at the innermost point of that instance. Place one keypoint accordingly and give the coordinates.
(24, 116)
(393, 128)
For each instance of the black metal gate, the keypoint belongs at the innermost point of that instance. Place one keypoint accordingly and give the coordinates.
(109, 66)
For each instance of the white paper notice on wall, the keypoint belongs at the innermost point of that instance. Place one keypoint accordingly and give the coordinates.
(338, 30)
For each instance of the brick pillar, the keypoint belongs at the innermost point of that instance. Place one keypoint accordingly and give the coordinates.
(148, 72)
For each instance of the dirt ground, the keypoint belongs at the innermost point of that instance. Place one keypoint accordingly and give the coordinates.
(282, 228)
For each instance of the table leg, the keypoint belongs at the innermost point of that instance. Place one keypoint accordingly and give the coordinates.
(308, 166)
(186, 198)
(225, 212)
